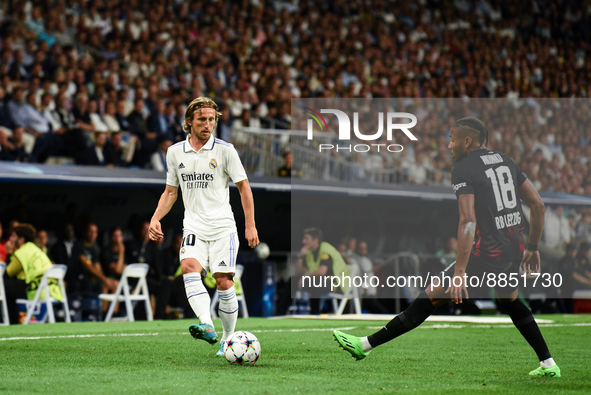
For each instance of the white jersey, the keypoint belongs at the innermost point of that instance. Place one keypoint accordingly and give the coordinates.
(203, 178)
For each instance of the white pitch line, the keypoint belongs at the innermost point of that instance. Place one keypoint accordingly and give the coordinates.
(77, 336)
(346, 328)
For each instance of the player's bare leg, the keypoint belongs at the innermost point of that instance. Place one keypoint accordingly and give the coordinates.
(228, 308)
(524, 321)
(199, 300)
(413, 316)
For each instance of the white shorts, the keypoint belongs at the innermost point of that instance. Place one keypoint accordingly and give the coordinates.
(216, 256)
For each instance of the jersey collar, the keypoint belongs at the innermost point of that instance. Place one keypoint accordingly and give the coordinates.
(208, 145)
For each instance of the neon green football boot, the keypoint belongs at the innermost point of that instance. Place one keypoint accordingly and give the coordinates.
(352, 344)
(553, 371)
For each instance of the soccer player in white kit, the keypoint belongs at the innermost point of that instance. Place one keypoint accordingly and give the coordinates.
(202, 166)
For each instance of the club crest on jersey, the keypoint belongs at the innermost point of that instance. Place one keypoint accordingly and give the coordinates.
(183, 250)
(213, 164)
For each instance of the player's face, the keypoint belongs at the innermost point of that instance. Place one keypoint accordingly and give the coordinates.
(456, 145)
(203, 123)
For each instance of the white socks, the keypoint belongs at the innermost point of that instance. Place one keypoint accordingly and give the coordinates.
(198, 297)
(547, 363)
(366, 345)
(228, 310)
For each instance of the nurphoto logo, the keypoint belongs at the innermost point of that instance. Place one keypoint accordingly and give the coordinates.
(344, 132)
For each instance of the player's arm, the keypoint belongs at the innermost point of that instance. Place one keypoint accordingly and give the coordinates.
(531, 197)
(466, 231)
(248, 207)
(119, 265)
(323, 268)
(581, 279)
(165, 203)
(96, 270)
(14, 267)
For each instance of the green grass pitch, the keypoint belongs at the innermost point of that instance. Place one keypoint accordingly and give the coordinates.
(298, 356)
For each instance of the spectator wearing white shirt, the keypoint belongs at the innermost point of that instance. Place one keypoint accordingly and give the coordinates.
(556, 228)
(95, 117)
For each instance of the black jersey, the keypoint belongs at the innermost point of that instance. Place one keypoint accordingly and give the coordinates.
(494, 180)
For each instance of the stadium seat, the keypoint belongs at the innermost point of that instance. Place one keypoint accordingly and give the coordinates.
(58, 273)
(3, 306)
(352, 293)
(239, 294)
(123, 293)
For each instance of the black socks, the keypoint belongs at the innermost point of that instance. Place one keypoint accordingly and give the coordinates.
(523, 320)
(409, 319)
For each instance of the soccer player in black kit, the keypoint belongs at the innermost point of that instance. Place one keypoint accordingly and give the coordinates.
(489, 186)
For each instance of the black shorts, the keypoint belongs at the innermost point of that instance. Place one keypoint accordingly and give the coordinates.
(481, 276)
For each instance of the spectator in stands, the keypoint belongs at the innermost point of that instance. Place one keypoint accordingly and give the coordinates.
(66, 251)
(110, 117)
(123, 150)
(95, 118)
(49, 112)
(285, 170)
(175, 123)
(246, 120)
(15, 149)
(5, 240)
(41, 240)
(448, 254)
(318, 258)
(5, 145)
(139, 127)
(583, 228)
(93, 279)
(157, 121)
(5, 118)
(113, 257)
(27, 264)
(158, 158)
(369, 293)
(100, 154)
(121, 116)
(556, 228)
(582, 269)
(151, 101)
(82, 118)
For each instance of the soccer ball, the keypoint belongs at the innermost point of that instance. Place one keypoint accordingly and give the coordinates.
(262, 250)
(242, 348)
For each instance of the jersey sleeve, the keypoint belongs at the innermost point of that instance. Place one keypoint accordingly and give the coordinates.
(234, 166)
(171, 174)
(461, 180)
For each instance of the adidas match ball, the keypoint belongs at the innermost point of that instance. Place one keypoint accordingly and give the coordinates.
(262, 250)
(242, 348)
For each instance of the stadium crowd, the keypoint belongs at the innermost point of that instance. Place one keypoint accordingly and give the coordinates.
(75, 72)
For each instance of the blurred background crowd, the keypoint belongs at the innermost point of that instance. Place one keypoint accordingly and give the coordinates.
(106, 82)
